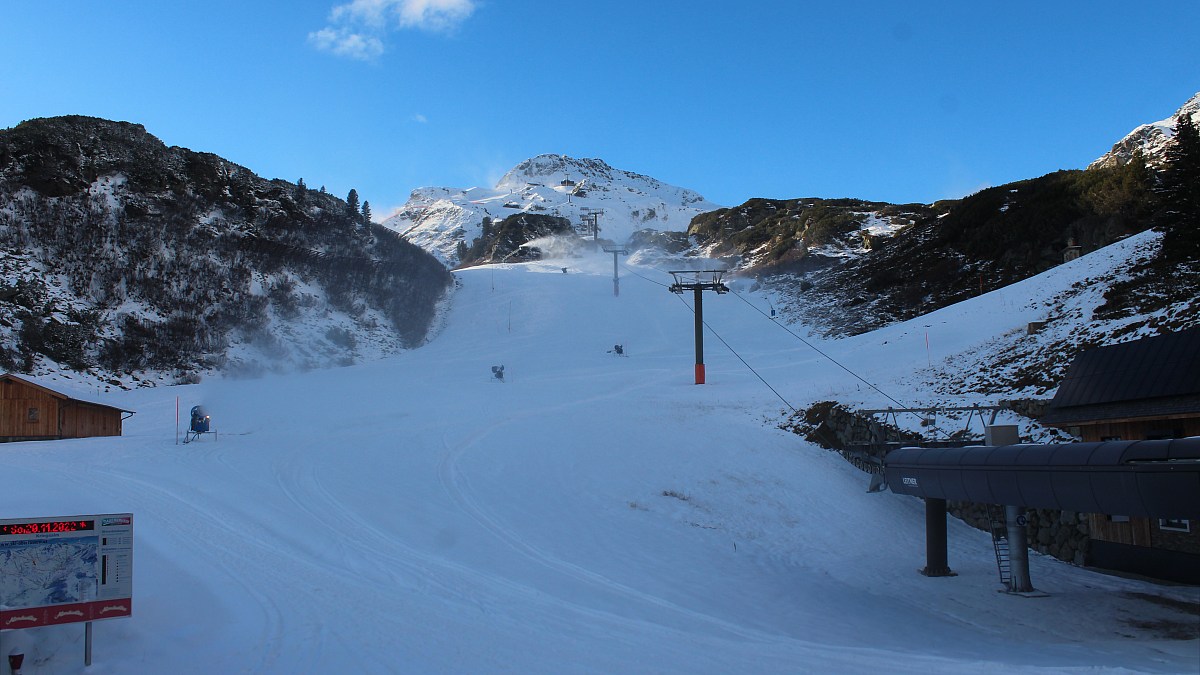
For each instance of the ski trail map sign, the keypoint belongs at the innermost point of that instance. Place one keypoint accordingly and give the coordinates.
(65, 569)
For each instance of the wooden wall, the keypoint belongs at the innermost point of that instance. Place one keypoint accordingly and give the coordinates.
(81, 420)
(1135, 531)
(32, 413)
(16, 420)
(1142, 532)
(1140, 430)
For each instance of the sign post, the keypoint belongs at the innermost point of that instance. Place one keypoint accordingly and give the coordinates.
(66, 570)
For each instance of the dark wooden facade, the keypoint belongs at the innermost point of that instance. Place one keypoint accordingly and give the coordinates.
(1151, 427)
(33, 412)
(1146, 389)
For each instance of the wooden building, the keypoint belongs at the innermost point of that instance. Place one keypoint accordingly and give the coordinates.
(32, 411)
(1145, 389)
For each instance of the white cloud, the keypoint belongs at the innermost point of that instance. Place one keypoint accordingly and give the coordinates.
(357, 28)
(433, 15)
(418, 117)
(363, 12)
(343, 42)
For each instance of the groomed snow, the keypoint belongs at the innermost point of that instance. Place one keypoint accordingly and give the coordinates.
(591, 514)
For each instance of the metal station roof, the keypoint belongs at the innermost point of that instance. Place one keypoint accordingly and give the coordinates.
(1133, 478)
(1148, 377)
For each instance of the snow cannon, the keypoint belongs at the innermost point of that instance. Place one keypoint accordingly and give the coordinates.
(200, 420)
(201, 424)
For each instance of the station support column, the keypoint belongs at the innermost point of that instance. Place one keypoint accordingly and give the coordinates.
(936, 563)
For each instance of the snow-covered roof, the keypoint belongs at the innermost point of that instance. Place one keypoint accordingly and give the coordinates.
(55, 388)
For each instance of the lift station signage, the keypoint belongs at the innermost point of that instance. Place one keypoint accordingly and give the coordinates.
(64, 570)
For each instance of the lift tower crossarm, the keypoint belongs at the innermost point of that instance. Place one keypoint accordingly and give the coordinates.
(591, 218)
(694, 280)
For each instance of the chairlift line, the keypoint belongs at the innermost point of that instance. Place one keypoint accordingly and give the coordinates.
(837, 363)
(784, 327)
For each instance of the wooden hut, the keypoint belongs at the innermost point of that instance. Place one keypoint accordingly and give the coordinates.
(1145, 389)
(32, 411)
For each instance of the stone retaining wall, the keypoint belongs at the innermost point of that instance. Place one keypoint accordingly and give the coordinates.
(1062, 534)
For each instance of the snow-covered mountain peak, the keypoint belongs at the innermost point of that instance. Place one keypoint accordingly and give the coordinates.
(554, 169)
(1151, 139)
(439, 218)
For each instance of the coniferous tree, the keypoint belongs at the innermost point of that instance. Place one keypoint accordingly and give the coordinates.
(352, 200)
(366, 212)
(1178, 193)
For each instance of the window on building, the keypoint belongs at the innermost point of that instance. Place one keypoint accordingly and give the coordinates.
(1109, 438)
(1174, 525)
(1118, 519)
(33, 415)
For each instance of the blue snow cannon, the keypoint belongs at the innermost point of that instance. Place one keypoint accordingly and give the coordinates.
(200, 420)
(200, 424)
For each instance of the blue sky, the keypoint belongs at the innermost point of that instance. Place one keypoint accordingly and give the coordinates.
(900, 102)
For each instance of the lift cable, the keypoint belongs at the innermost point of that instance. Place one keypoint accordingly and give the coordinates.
(739, 356)
(827, 356)
(640, 276)
(801, 339)
(806, 342)
(838, 364)
(718, 336)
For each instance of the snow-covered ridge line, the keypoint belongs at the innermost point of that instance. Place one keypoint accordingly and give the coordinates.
(439, 218)
(1150, 139)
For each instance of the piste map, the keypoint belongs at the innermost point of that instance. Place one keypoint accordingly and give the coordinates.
(51, 572)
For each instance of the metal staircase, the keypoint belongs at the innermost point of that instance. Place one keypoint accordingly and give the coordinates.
(1000, 543)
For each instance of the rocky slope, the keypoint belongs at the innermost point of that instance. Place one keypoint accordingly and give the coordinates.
(134, 261)
(946, 252)
(845, 266)
(1150, 140)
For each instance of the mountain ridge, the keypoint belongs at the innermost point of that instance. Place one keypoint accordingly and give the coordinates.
(135, 261)
(110, 239)
(440, 219)
(1150, 140)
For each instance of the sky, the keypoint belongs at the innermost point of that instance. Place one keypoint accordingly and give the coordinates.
(897, 102)
(590, 514)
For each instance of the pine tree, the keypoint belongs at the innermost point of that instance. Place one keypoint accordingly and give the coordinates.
(366, 212)
(1178, 192)
(352, 200)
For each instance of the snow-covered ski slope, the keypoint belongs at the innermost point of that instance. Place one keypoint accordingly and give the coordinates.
(591, 514)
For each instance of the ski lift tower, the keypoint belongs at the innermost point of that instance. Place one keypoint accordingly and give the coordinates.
(616, 250)
(591, 220)
(699, 281)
